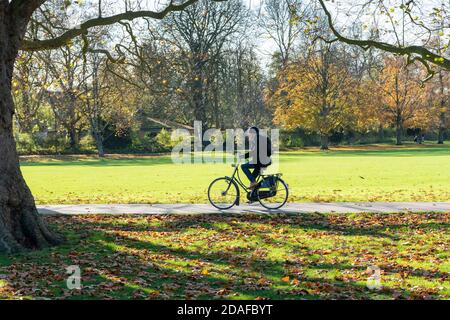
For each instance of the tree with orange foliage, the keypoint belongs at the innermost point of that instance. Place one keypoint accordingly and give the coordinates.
(437, 95)
(402, 99)
(316, 94)
(370, 108)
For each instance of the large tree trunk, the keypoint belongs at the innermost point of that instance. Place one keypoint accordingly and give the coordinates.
(442, 123)
(73, 138)
(100, 148)
(98, 138)
(324, 142)
(198, 93)
(442, 128)
(442, 111)
(20, 225)
(399, 129)
(399, 134)
(380, 133)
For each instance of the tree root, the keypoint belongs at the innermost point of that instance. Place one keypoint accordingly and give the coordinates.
(21, 229)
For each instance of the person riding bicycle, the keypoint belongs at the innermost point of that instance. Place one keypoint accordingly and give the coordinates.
(260, 154)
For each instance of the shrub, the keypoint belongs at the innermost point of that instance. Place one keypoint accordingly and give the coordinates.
(164, 139)
(26, 143)
(87, 143)
(292, 141)
(151, 143)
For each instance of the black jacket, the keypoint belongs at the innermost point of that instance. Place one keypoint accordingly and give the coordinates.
(262, 151)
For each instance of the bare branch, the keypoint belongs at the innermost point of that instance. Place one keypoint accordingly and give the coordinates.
(418, 53)
(66, 37)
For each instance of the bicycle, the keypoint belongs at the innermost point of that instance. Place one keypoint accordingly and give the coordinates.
(271, 191)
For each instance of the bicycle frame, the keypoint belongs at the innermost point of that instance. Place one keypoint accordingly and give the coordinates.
(239, 184)
(238, 180)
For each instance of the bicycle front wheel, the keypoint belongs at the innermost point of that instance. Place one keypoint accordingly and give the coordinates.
(274, 197)
(223, 193)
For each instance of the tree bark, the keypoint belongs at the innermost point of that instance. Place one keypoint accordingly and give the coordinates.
(73, 138)
(98, 139)
(20, 225)
(399, 133)
(198, 92)
(324, 142)
(442, 128)
(442, 119)
(414, 52)
(381, 133)
(100, 148)
(72, 120)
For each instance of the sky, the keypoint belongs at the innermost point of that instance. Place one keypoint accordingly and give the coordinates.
(265, 47)
(344, 12)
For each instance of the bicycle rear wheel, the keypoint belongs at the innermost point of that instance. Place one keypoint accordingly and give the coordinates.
(223, 193)
(273, 197)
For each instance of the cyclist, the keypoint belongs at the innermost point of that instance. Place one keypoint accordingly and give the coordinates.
(260, 154)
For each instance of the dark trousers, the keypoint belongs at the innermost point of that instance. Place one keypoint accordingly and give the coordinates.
(251, 175)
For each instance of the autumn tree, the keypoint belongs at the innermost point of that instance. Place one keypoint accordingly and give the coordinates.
(443, 105)
(65, 87)
(29, 91)
(158, 70)
(107, 101)
(281, 21)
(400, 20)
(438, 93)
(437, 104)
(237, 88)
(401, 96)
(369, 111)
(316, 94)
(201, 32)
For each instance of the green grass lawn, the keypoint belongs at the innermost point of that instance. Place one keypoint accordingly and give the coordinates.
(373, 173)
(308, 256)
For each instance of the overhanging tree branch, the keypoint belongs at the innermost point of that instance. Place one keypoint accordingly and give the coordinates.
(66, 37)
(414, 53)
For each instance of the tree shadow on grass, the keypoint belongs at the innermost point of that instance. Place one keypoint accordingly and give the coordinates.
(305, 221)
(333, 225)
(152, 260)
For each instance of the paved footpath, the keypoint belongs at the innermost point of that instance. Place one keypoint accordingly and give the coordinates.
(339, 207)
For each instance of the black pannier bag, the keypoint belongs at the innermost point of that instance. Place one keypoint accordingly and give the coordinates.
(267, 183)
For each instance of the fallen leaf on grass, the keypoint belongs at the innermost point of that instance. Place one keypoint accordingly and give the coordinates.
(205, 272)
